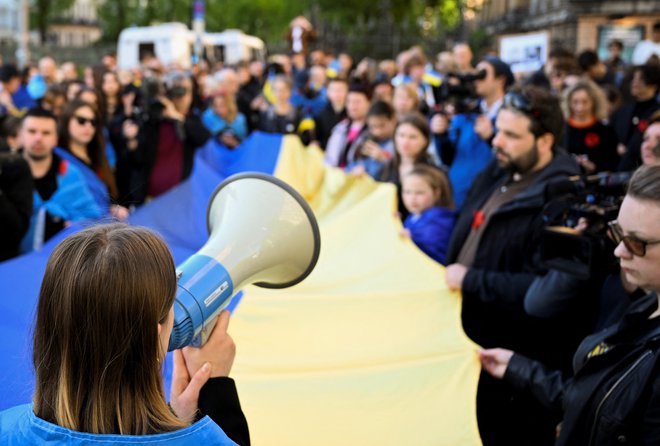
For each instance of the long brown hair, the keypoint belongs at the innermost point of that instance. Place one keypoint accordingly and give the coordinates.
(418, 121)
(97, 354)
(95, 148)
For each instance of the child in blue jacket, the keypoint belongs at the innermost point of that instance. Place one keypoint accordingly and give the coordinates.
(428, 197)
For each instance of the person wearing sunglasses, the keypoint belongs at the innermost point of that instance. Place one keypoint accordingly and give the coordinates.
(493, 258)
(613, 396)
(81, 142)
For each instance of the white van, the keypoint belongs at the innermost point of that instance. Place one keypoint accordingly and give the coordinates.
(169, 42)
(232, 46)
(173, 43)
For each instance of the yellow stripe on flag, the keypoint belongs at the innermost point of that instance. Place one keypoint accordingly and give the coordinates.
(369, 349)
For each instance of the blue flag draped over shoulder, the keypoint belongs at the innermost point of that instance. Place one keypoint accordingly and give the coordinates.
(367, 350)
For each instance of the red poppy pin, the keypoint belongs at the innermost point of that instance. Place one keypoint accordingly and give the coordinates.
(591, 139)
(643, 125)
(63, 167)
(478, 219)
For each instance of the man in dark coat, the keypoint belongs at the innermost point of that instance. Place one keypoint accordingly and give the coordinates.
(493, 258)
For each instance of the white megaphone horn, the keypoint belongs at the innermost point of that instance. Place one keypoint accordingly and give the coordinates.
(261, 231)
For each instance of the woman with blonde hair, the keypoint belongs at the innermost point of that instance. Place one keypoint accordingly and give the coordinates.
(588, 136)
(405, 100)
(102, 330)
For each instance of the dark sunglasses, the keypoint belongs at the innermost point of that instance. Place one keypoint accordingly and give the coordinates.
(516, 100)
(82, 120)
(633, 244)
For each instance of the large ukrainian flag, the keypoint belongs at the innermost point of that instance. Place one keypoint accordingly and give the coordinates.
(368, 350)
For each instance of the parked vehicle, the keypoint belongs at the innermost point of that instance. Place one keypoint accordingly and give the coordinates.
(173, 43)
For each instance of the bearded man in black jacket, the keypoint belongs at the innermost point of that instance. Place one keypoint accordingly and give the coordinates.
(493, 258)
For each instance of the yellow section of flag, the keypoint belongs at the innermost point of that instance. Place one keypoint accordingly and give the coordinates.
(369, 349)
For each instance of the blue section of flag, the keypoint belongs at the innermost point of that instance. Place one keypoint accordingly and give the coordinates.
(179, 216)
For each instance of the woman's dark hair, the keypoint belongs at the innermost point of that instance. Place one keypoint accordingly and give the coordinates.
(381, 109)
(107, 102)
(96, 147)
(97, 353)
(650, 74)
(100, 101)
(418, 121)
(10, 126)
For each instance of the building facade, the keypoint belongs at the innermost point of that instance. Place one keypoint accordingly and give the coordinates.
(573, 24)
(76, 27)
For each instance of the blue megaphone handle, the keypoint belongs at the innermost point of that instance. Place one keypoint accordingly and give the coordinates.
(204, 288)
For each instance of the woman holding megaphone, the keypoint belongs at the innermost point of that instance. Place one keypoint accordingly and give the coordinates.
(102, 330)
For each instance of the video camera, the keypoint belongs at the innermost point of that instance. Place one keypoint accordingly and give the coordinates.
(458, 89)
(597, 198)
(153, 88)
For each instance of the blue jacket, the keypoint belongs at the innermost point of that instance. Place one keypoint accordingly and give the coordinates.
(472, 156)
(431, 231)
(20, 426)
(215, 124)
(97, 187)
(72, 201)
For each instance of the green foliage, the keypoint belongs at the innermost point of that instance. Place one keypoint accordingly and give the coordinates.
(349, 24)
(267, 19)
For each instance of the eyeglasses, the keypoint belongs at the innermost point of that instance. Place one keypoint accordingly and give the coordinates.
(82, 120)
(633, 244)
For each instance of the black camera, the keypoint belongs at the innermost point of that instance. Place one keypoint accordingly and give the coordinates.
(597, 198)
(458, 90)
(152, 89)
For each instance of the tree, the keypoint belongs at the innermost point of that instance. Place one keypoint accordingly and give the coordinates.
(354, 22)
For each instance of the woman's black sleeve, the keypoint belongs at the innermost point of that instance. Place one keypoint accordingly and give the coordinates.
(219, 400)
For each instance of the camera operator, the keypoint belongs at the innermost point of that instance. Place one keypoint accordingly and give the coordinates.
(469, 134)
(598, 299)
(614, 395)
(493, 258)
(168, 138)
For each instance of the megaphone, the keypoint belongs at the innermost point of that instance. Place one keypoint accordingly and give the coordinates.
(261, 231)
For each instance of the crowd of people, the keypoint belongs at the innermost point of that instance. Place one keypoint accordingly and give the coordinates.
(474, 152)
